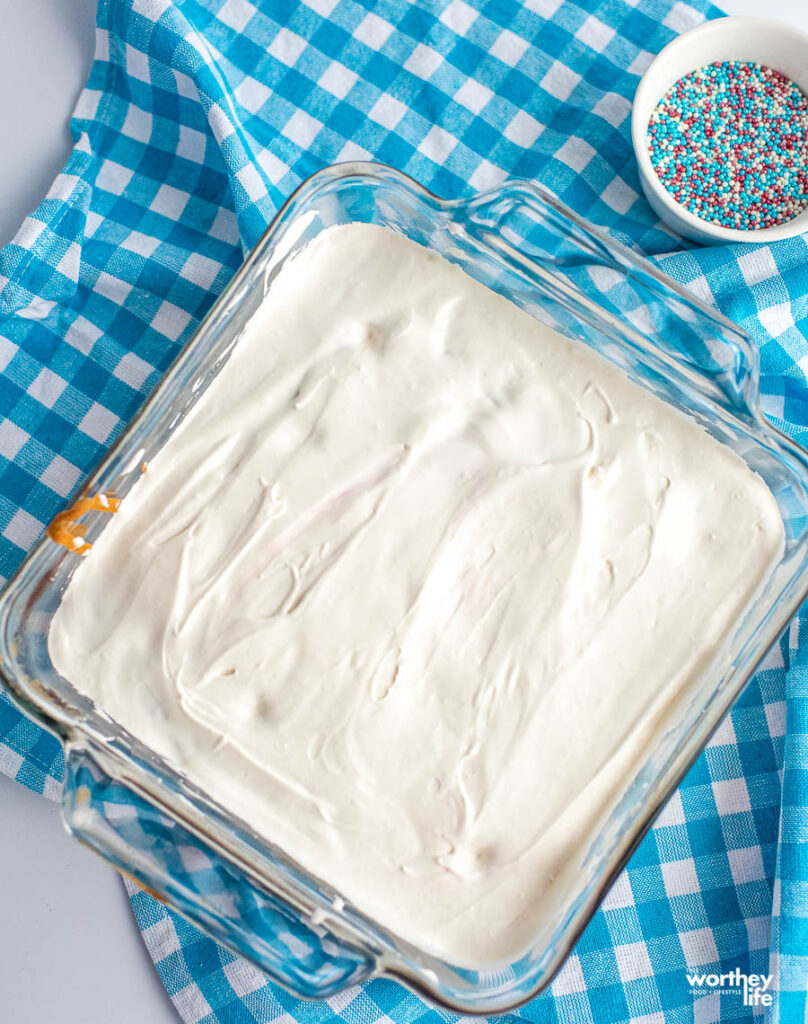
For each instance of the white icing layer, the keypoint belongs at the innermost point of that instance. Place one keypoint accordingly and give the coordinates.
(412, 587)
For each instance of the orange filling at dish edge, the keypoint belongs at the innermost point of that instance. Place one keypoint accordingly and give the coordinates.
(65, 528)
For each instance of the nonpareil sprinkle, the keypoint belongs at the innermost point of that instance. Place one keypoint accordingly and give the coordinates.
(730, 143)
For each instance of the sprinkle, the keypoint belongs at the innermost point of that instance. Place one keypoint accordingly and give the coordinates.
(730, 143)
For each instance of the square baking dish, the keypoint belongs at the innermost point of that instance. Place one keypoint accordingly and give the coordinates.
(134, 809)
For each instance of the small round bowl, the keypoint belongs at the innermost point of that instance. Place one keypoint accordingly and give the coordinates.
(757, 40)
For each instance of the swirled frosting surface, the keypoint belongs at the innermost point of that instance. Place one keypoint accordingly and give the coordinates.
(411, 588)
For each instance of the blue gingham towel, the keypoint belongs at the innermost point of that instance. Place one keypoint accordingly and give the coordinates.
(199, 117)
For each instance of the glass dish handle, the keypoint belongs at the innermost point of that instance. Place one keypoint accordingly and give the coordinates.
(585, 269)
(175, 865)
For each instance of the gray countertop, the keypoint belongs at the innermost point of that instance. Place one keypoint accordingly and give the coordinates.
(70, 950)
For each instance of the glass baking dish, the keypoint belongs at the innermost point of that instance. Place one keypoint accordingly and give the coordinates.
(135, 810)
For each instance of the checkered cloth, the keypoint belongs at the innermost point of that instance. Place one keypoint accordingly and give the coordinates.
(200, 116)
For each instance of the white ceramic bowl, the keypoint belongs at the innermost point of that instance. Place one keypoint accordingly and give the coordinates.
(756, 40)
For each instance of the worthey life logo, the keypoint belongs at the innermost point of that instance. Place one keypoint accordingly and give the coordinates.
(753, 987)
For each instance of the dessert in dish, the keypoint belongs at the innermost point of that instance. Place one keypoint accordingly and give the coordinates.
(413, 588)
